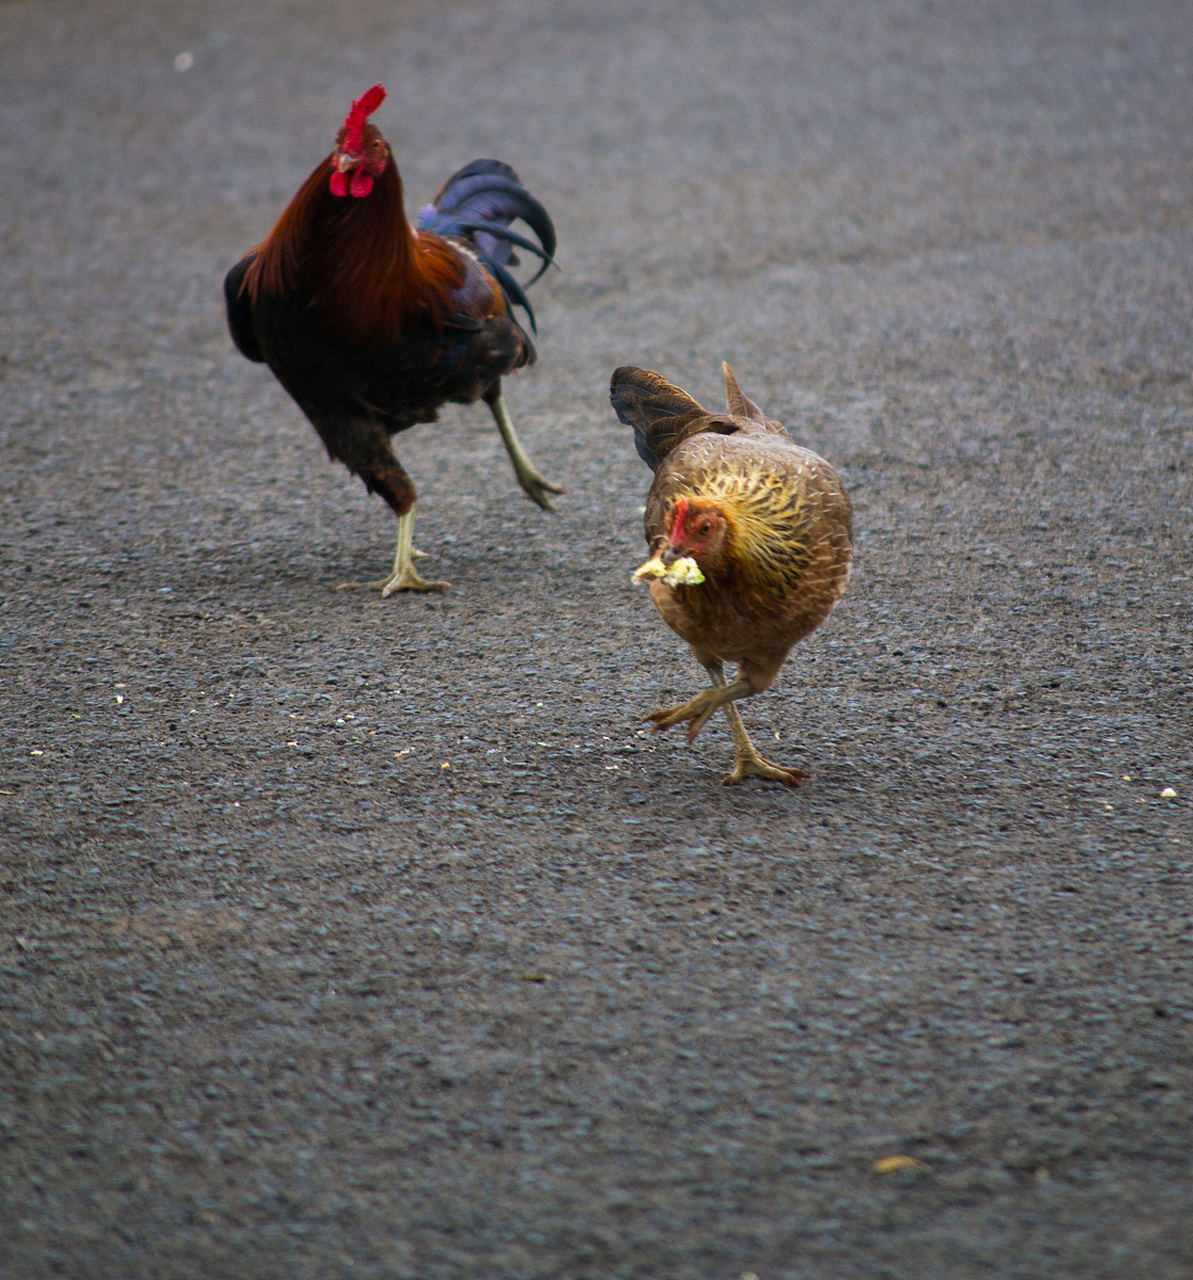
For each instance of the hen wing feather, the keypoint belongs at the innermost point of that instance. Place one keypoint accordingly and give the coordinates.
(661, 415)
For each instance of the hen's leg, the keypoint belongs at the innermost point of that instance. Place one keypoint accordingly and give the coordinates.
(700, 710)
(402, 577)
(533, 484)
(748, 763)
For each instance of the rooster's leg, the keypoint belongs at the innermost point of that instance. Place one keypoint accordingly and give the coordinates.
(533, 484)
(403, 576)
(748, 763)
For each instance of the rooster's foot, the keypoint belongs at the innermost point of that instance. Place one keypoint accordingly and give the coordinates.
(536, 488)
(407, 580)
(402, 576)
(756, 767)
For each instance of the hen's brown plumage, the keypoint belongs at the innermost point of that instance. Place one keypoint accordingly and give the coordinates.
(769, 525)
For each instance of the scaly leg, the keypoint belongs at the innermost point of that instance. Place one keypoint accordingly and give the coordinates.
(700, 710)
(747, 760)
(533, 484)
(403, 576)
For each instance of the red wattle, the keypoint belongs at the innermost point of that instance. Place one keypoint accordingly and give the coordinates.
(362, 183)
(339, 184)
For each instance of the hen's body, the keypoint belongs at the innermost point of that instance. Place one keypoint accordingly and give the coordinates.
(372, 326)
(775, 555)
(791, 557)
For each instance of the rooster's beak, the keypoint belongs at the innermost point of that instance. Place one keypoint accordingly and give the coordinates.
(346, 161)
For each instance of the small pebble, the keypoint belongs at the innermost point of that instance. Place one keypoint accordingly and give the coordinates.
(896, 1164)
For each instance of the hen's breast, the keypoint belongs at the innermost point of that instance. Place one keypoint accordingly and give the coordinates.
(790, 547)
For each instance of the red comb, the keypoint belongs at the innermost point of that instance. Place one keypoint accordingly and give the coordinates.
(362, 109)
(679, 517)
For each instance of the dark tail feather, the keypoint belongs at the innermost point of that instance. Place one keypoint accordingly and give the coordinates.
(478, 203)
(515, 294)
(453, 226)
(661, 414)
(492, 190)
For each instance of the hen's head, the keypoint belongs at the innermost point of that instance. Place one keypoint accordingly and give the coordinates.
(360, 149)
(697, 529)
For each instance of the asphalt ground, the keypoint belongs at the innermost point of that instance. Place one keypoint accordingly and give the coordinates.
(357, 938)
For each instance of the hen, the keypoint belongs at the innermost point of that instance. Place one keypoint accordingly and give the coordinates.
(372, 325)
(750, 541)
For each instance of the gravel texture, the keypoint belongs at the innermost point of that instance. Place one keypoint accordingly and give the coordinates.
(357, 938)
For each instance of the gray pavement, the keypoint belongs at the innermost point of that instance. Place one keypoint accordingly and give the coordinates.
(357, 938)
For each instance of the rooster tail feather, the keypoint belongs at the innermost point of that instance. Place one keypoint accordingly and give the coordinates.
(458, 226)
(478, 203)
(661, 414)
(495, 193)
(514, 292)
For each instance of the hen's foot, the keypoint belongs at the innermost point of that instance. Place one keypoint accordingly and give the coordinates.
(756, 767)
(747, 762)
(697, 713)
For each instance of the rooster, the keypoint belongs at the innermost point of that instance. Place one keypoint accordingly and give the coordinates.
(372, 325)
(750, 541)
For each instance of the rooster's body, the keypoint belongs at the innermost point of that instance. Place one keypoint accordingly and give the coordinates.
(372, 326)
(768, 527)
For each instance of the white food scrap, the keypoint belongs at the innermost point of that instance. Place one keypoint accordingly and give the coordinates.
(684, 572)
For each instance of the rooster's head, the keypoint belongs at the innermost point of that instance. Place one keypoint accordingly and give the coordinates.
(696, 530)
(360, 148)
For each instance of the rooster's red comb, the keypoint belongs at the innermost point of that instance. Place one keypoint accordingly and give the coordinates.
(362, 109)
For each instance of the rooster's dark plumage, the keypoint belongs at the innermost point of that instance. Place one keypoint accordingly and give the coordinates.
(372, 326)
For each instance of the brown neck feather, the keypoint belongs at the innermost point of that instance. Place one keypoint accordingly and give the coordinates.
(357, 259)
